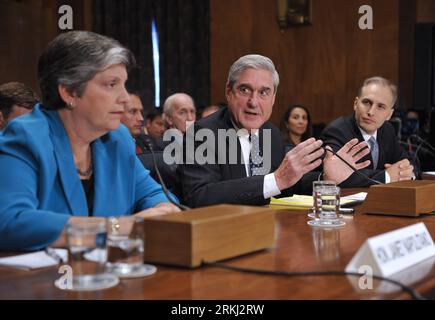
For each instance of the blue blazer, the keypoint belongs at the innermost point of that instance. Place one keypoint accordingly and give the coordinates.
(40, 189)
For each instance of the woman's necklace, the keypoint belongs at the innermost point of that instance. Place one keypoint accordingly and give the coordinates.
(87, 173)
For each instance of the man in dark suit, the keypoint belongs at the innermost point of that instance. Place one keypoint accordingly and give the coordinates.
(233, 159)
(373, 108)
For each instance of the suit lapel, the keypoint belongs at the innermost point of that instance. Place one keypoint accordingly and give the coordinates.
(237, 170)
(72, 187)
(105, 169)
(382, 152)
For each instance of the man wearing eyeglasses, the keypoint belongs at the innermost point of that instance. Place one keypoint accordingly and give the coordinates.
(16, 99)
(373, 107)
(255, 167)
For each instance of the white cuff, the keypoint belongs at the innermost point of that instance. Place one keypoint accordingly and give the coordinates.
(270, 189)
(387, 177)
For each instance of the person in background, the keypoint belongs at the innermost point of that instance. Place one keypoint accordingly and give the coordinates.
(209, 110)
(373, 107)
(133, 119)
(70, 159)
(414, 140)
(297, 124)
(154, 124)
(153, 132)
(411, 124)
(16, 99)
(180, 111)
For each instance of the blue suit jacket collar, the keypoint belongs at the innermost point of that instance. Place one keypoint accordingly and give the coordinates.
(104, 163)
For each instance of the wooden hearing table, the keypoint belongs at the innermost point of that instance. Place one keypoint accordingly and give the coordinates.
(298, 247)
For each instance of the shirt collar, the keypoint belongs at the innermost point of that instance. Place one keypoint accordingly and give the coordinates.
(367, 136)
(243, 133)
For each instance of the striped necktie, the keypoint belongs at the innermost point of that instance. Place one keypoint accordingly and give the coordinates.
(374, 150)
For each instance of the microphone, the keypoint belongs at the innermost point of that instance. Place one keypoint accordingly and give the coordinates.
(423, 141)
(417, 147)
(149, 146)
(353, 168)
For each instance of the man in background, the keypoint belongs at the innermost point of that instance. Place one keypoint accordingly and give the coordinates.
(154, 124)
(373, 107)
(179, 110)
(133, 120)
(154, 130)
(15, 99)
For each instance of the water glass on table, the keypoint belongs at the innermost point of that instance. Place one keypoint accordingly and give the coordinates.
(326, 204)
(86, 241)
(125, 247)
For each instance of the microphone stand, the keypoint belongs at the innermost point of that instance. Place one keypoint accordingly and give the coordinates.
(149, 146)
(423, 142)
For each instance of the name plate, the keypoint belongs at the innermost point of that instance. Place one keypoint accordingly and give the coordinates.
(394, 251)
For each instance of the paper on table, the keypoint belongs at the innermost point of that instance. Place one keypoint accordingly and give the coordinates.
(361, 196)
(300, 202)
(34, 260)
(430, 173)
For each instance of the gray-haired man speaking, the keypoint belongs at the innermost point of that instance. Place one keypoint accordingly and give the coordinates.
(248, 165)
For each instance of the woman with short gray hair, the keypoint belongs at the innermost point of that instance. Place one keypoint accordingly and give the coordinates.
(70, 159)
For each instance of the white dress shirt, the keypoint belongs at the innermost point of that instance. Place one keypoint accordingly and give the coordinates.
(270, 188)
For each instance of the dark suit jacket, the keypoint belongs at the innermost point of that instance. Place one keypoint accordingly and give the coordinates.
(207, 184)
(343, 129)
(143, 139)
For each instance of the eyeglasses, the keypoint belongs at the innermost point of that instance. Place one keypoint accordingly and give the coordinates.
(247, 92)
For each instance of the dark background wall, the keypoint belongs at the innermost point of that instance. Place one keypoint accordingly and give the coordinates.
(26, 27)
(321, 65)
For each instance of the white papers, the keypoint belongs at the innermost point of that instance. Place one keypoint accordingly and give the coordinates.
(33, 260)
(430, 173)
(361, 196)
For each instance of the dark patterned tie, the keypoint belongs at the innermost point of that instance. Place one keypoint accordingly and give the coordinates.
(374, 150)
(255, 157)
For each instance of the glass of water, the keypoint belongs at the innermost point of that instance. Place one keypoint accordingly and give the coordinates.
(125, 247)
(86, 241)
(326, 204)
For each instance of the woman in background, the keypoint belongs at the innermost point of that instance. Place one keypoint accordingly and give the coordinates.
(297, 125)
(70, 159)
